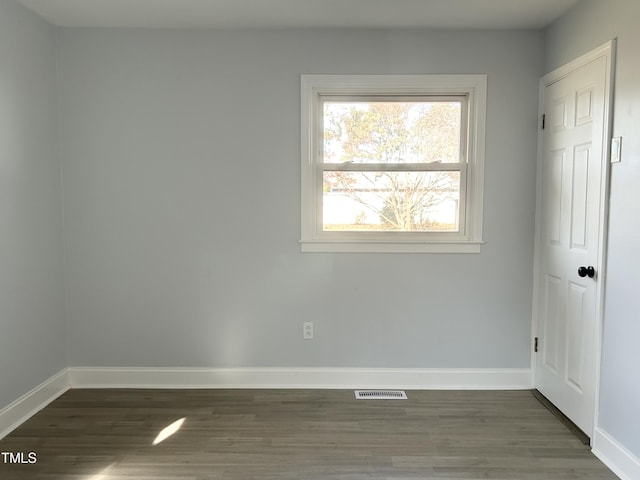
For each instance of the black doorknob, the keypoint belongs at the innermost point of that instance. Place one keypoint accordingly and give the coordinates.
(586, 272)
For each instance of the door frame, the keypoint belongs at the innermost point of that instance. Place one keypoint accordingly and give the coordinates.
(607, 51)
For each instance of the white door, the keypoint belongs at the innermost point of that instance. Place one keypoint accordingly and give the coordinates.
(572, 187)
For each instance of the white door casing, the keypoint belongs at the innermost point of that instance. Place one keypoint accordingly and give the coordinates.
(570, 233)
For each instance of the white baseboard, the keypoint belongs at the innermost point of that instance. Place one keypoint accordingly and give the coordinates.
(20, 410)
(619, 460)
(325, 378)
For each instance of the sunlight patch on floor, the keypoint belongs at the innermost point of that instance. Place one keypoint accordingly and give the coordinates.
(169, 430)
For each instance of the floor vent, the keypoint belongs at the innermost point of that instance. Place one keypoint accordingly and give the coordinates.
(381, 395)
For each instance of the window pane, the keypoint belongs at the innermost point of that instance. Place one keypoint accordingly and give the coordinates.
(392, 131)
(391, 201)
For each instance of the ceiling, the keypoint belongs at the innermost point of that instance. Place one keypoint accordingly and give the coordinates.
(441, 14)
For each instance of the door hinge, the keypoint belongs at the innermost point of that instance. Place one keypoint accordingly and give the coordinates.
(535, 345)
(544, 117)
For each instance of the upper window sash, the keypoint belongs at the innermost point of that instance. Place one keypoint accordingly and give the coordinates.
(461, 99)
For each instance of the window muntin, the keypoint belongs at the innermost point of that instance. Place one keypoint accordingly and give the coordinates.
(392, 163)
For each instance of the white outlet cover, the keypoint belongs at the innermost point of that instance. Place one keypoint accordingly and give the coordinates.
(307, 330)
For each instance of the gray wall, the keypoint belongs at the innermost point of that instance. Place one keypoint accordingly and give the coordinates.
(590, 24)
(32, 335)
(181, 153)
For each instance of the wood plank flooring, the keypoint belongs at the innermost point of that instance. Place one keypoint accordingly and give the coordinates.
(297, 434)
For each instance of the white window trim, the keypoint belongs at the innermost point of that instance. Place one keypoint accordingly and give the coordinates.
(313, 87)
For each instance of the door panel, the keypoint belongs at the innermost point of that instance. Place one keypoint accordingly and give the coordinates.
(553, 323)
(584, 106)
(579, 196)
(553, 196)
(575, 341)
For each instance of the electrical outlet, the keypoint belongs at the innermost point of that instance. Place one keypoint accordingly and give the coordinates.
(307, 330)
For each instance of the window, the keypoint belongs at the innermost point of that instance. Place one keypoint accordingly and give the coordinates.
(392, 163)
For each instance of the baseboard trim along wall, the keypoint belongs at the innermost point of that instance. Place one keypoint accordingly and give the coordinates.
(621, 461)
(23, 408)
(325, 378)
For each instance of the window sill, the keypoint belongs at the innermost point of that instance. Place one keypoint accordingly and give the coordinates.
(390, 247)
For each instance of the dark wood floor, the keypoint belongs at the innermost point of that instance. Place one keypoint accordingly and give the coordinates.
(294, 434)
